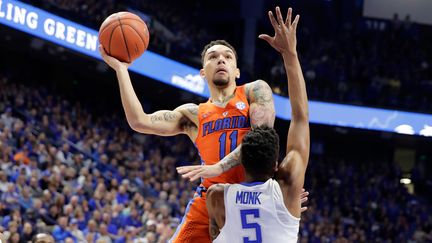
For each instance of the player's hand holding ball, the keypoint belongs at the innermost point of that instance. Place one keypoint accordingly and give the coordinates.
(123, 37)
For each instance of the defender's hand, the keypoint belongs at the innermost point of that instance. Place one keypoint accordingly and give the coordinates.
(303, 198)
(194, 172)
(284, 40)
(111, 61)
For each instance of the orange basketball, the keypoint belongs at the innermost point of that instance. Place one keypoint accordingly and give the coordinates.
(124, 36)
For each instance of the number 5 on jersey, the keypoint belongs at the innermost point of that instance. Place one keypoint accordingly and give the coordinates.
(246, 225)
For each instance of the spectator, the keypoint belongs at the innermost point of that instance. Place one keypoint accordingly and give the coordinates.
(43, 238)
(7, 119)
(27, 232)
(64, 155)
(25, 200)
(15, 238)
(12, 228)
(90, 232)
(60, 231)
(69, 240)
(122, 197)
(50, 217)
(104, 235)
(3, 182)
(35, 190)
(77, 234)
(14, 217)
(11, 197)
(150, 237)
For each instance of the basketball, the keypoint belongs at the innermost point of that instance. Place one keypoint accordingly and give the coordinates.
(124, 36)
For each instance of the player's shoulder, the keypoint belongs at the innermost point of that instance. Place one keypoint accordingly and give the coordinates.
(216, 189)
(220, 187)
(252, 84)
(189, 108)
(258, 85)
(215, 193)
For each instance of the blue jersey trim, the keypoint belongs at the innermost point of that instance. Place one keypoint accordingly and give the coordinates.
(252, 183)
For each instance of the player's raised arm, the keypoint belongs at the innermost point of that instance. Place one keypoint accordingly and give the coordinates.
(292, 170)
(163, 123)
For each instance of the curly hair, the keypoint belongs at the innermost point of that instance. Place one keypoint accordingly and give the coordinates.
(259, 152)
(217, 42)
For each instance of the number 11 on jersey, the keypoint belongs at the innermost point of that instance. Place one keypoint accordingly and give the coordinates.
(222, 143)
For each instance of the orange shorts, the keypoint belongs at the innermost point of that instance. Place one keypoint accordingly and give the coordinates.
(194, 226)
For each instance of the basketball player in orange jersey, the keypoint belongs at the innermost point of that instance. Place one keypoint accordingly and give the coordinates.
(216, 127)
(263, 209)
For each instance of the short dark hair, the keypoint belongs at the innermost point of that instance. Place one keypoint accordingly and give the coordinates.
(259, 152)
(217, 42)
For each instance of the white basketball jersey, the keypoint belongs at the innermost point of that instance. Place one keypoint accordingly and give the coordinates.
(255, 213)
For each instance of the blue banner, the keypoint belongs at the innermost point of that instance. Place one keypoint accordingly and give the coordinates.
(79, 38)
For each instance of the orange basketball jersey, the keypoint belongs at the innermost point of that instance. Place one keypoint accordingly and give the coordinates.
(220, 131)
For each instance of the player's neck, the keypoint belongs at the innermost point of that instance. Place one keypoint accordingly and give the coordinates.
(222, 95)
(250, 179)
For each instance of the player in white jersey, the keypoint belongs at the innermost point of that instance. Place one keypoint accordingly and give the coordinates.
(264, 209)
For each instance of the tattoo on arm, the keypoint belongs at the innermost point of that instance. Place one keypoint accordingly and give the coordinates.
(193, 109)
(156, 118)
(214, 229)
(167, 116)
(261, 93)
(257, 116)
(231, 160)
(263, 111)
(247, 90)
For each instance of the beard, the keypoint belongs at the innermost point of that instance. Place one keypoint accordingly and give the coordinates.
(221, 82)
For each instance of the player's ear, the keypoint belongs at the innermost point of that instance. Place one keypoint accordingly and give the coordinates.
(237, 73)
(276, 166)
(202, 74)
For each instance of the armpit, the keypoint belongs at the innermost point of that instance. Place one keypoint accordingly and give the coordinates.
(187, 125)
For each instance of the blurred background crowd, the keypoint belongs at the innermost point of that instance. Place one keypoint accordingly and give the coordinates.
(82, 177)
(345, 57)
